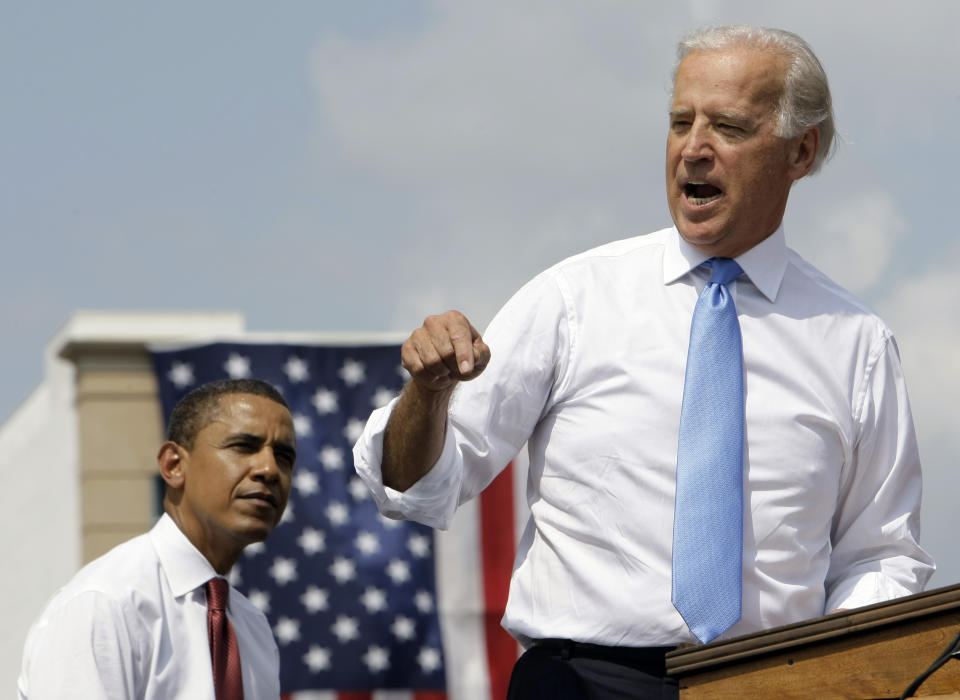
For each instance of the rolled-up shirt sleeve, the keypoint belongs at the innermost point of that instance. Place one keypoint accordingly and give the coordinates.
(876, 554)
(432, 500)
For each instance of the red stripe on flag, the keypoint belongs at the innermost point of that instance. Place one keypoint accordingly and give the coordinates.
(429, 695)
(497, 545)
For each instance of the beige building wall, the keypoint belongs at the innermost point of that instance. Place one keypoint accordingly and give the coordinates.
(119, 427)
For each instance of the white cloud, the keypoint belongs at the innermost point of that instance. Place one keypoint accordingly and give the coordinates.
(493, 93)
(854, 239)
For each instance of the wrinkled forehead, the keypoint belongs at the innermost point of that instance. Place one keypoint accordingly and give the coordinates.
(739, 73)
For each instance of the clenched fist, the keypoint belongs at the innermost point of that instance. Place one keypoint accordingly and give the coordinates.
(445, 350)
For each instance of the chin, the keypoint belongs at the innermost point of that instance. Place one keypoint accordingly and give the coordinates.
(700, 239)
(256, 531)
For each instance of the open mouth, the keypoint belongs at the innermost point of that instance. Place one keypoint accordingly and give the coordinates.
(700, 193)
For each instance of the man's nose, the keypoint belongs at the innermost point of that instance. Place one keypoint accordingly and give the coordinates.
(697, 144)
(266, 466)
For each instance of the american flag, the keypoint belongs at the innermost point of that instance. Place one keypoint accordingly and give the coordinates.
(362, 606)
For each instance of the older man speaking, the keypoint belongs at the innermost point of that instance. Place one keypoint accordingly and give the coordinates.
(720, 438)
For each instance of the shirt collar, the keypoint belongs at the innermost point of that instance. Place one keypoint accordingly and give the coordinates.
(765, 263)
(185, 567)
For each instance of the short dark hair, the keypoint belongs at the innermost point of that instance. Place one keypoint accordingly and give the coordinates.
(195, 410)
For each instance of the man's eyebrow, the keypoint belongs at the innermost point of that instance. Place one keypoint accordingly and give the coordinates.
(735, 117)
(247, 437)
(283, 445)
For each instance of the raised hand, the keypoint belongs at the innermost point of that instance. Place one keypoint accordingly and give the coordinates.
(445, 350)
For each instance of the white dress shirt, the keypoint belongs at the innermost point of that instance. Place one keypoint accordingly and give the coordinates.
(587, 368)
(133, 624)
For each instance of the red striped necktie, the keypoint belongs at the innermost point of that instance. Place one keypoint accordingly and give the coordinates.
(224, 652)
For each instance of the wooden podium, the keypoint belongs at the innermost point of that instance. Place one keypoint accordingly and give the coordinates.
(872, 652)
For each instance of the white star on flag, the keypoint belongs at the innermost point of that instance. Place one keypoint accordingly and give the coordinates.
(419, 545)
(237, 366)
(338, 513)
(398, 570)
(424, 601)
(315, 599)
(331, 458)
(317, 658)
(429, 659)
(353, 373)
(302, 427)
(284, 570)
(358, 489)
(260, 600)
(382, 397)
(343, 569)
(403, 628)
(377, 659)
(296, 369)
(306, 482)
(312, 541)
(354, 429)
(287, 630)
(181, 374)
(345, 628)
(325, 401)
(374, 600)
(367, 543)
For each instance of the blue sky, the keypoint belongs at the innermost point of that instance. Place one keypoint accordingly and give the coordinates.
(358, 165)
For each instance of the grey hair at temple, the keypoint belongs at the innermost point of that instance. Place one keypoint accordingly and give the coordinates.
(806, 100)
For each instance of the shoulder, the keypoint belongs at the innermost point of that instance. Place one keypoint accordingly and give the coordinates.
(609, 254)
(811, 291)
(593, 273)
(610, 265)
(90, 632)
(116, 580)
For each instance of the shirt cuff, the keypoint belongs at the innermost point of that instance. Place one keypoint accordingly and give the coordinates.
(432, 500)
(867, 589)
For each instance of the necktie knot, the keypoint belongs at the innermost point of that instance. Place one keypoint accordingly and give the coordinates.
(217, 592)
(725, 270)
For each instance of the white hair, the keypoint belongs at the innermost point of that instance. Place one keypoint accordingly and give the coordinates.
(805, 101)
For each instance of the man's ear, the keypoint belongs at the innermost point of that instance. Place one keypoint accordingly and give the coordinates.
(170, 460)
(804, 153)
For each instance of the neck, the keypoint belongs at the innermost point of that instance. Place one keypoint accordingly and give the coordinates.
(222, 552)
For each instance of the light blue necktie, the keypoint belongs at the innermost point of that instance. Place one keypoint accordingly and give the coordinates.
(708, 515)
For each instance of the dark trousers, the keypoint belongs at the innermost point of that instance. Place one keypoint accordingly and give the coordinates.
(563, 670)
